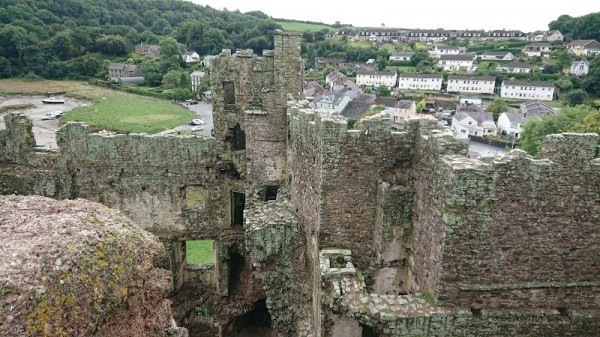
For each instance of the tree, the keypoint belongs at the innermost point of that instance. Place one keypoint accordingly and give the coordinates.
(581, 118)
(591, 82)
(563, 60)
(112, 45)
(549, 69)
(258, 44)
(308, 37)
(575, 97)
(497, 107)
(419, 57)
(175, 79)
(421, 105)
(563, 84)
(381, 63)
(384, 91)
(169, 47)
(5, 68)
(152, 72)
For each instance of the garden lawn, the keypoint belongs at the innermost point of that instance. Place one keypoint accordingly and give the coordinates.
(199, 251)
(124, 113)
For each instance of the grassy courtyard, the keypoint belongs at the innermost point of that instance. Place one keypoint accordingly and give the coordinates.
(199, 251)
(110, 110)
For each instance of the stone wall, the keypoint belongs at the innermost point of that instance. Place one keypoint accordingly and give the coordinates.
(517, 232)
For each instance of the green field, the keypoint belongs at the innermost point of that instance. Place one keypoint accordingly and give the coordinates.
(361, 44)
(41, 87)
(121, 112)
(199, 251)
(402, 69)
(304, 27)
(110, 110)
(390, 47)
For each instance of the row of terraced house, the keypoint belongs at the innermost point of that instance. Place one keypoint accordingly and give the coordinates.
(486, 85)
(439, 35)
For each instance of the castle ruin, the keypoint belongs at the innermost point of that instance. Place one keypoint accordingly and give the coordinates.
(323, 231)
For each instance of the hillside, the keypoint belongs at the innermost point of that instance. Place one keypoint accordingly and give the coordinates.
(54, 38)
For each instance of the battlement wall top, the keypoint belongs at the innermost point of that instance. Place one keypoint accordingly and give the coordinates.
(287, 33)
(301, 113)
(570, 148)
(567, 149)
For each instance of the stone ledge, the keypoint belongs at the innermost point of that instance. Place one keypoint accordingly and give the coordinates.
(533, 285)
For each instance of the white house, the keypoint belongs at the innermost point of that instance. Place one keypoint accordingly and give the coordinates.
(473, 121)
(420, 81)
(507, 35)
(378, 34)
(553, 36)
(542, 91)
(427, 35)
(376, 78)
(190, 56)
(196, 78)
(580, 68)
(402, 110)
(457, 62)
(333, 101)
(515, 67)
(401, 56)
(447, 50)
(584, 47)
(207, 59)
(497, 56)
(471, 84)
(337, 81)
(511, 123)
(537, 49)
(398, 110)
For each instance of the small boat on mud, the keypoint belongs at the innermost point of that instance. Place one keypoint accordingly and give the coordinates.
(53, 100)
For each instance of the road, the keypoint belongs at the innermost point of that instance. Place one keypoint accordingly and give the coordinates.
(203, 111)
(44, 131)
(478, 149)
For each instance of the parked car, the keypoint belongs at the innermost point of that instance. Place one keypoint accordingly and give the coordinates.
(196, 122)
(52, 115)
(197, 128)
(190, 102)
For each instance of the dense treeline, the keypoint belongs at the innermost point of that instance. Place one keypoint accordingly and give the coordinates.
(54, 38)
(579, 28)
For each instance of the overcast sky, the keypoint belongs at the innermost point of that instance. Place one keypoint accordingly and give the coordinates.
(525, 15)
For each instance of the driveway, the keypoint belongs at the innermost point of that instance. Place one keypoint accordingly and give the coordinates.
(203, 111)
(44, 131)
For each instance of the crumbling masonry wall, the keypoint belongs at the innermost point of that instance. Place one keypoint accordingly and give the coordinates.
(147, 178)
(521, 232)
